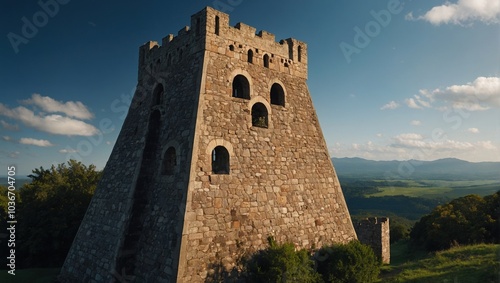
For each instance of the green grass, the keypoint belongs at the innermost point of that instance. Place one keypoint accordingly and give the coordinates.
(412, 192)
(468, 264)
(36, 275)
(438, 188)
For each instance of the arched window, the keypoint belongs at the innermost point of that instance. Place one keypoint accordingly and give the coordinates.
(220, 160)
(259, 115)
(169, 161)
(217, 25)
(158, 95)
(241, 87)
(299, 53)
(250, 56)
(266, 61)
(277, 95)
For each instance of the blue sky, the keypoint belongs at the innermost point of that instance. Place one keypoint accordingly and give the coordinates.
(389, 79)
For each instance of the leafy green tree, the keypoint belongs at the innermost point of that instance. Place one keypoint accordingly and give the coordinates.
(348, 263)
(4, 203)
(281, 263)
(493, 210)
(51, 210)
(398, 232)
(465, 220)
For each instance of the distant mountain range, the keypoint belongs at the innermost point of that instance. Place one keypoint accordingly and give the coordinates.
(442, 169)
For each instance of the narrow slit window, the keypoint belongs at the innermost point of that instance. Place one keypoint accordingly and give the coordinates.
(217, 25)
(266, 61)
(299, 53)
(169, 161)
(250, 56)
(158, 95)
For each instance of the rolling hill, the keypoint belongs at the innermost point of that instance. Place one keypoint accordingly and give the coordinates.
(441, 169)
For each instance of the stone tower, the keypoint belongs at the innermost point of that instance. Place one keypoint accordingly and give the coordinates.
(375, 232)
(220, 149)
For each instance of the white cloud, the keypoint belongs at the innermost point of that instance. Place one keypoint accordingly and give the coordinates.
(486, 145)
(419, 101)
(7, 138)
(391, 105)
(473, 130)
(415, 146)
(417, 141)
(422, 101)
(31, 141)
(54, 124)
(68, 150)
(416, 123)
(410, 102)
(410, 136)
(8, 126)
(481, 94)
(70, 108)
(462, 12)
(14, 154)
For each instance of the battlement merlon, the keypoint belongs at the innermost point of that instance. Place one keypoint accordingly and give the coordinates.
(210, 30)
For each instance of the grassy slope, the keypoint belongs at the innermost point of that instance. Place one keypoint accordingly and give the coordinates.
(478, 263)
(468, 264)
(37, 275)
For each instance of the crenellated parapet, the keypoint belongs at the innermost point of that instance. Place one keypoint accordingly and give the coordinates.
(210, 30)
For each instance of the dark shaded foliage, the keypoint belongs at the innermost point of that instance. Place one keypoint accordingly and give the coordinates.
(466, 220)
(348, 263)
(281, 263)
(51, 209)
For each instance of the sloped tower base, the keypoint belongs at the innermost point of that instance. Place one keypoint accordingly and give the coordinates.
(221, 148)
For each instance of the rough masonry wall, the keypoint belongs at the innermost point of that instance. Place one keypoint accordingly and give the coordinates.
(97, 246)
(375, 233)
(190, 220)
(92, 255)
(160, 242)
(281, 180)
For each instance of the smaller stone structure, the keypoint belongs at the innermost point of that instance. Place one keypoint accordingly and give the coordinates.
(374, 232)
